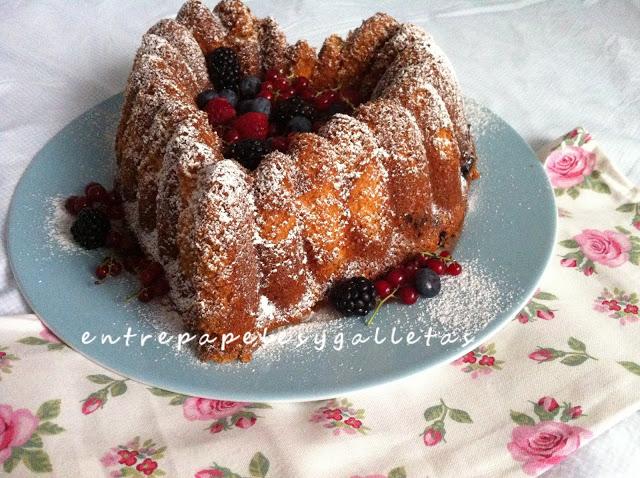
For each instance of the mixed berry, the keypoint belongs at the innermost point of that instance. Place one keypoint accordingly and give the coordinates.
(255, 116)
(418, 277)
(99, 224)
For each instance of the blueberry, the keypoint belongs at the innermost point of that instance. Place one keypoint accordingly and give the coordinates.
(231, 97)
(258, 105)
(299, 124)
(203, 98)
(250, 86)
(427, 283)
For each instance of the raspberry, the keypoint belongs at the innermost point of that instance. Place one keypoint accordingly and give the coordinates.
(220, 111)
(252, 125)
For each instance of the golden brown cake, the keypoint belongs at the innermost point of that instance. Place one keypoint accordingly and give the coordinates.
(248, 250)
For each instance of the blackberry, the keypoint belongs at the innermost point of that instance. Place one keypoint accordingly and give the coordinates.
(249, 152)
(294, 106)
(467, 164)
(90, 228)
(224, 69)
(355, 296)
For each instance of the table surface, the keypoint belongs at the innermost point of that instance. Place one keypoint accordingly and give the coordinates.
(545, 67)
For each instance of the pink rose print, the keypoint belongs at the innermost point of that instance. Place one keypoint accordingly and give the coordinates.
(398, 472)
(569, 166)
(480, 361)
(577, 354)
(436, 417)
(568, 263)
(258, 468)
(541, 445)
(341, 417)
(618, 305)
(195, 408)
(91, 405)
(634, 209)
(549, 404)
(536, 308)
(134, 459)
(431, 436)
(47, 335)
(226, 415)
(210, 473)
(544, 444)
(5, 360)
(21, 438)
(97, 399)
(16, 427)
(609, 248)
(244, 422)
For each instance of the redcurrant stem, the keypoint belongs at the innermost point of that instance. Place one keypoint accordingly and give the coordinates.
(377, 309)
(129, 298)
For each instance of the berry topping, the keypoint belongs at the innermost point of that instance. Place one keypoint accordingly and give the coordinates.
(338, 107)
(408, 295)
(115, 268)
(75, 204)
(436, 265)
(231, 136)
(95, 192)
(445, 254)
(231, 96)
(90, 228)
(257, 105)
(467, 164)
(280, 83)
(354, 296)
(203, 98)
(294, 106)
(272, 74)
(114, 211)
(427, 283)
(454, 269)
(266, 90)
(102, 271)
(220, 111)
(160, 287)
(325, 99)
(411, 268)
(397, 277)
(224, 69)
(383, 288)
(351, 96)
(252, 125)
(300, 83)
(307, 94)
(249, 152)
(279, 143)
(150, 273)
(145, 294)
(250, 86)
(299, 124)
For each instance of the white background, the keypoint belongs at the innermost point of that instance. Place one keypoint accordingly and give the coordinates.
(545, 67)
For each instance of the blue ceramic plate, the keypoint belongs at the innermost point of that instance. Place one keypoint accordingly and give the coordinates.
(504, 249)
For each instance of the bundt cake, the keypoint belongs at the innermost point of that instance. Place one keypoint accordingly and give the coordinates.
(369, 164)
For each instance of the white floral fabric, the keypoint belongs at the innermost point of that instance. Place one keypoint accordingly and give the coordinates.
(564, 370)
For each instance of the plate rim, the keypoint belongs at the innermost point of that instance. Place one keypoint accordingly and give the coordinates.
(492, 327)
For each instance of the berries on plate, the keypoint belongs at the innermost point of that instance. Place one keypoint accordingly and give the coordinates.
(90, 228)
(355, 296)
(257, 105)
(252, 125)
(454, 269)
(294, 106)
(95, 192)
(427, 283)
(397, 277)
(408, 295)
(436, 265)
(75, 204)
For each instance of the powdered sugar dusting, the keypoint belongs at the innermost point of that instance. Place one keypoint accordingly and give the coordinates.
(59, 223)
